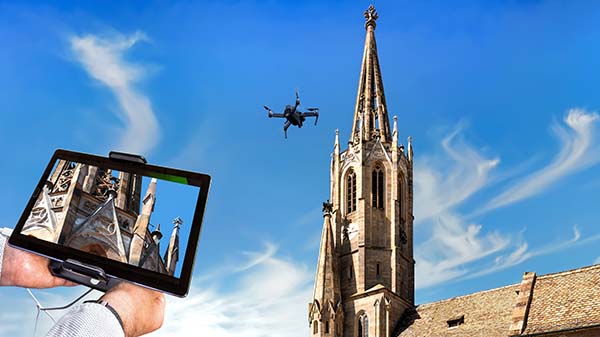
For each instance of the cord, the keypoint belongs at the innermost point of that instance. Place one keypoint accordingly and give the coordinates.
(40, 308)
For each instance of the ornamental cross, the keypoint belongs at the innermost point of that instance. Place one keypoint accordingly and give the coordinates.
(371, 15)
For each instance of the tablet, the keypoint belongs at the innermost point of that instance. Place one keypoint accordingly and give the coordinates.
(101, 220)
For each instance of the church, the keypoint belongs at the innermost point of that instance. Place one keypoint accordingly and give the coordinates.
(364, 285)
(99, 211)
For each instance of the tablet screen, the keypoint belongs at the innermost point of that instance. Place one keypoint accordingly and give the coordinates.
(141, 220)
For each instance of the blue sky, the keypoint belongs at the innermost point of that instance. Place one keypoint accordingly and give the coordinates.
(499, 97)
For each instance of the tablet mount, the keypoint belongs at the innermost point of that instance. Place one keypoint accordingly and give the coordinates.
(85, 274)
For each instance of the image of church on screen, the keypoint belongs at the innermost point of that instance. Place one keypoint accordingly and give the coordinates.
(101, 211)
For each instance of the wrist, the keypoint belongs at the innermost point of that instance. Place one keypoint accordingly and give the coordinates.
(122, 307)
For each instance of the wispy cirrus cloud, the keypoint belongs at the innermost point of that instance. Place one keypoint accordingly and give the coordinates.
(269, 299)
(103, 59)
(577, 152)
(465, 172)
(522, 253)
(458, 248)
(454, 245)
(443, 182)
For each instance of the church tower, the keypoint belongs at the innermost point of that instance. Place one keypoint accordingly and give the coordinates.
(365, 273)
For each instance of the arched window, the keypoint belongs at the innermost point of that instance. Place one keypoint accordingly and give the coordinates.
(315, 326)
(363, 326)
(401, 196)
(327, 326)
(351, 192)
(377, 187)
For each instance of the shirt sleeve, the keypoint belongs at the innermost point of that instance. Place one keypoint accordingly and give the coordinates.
(87, 320)
(4, 234)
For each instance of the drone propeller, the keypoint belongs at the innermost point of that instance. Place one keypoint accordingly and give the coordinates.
(269, 110)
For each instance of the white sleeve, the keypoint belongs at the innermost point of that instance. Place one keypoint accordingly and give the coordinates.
(4, 234)
(87, 320)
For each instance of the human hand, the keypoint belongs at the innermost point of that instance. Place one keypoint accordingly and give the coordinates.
(24, 269)
(141, 310)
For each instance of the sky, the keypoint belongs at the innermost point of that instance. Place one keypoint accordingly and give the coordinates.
(500, 98)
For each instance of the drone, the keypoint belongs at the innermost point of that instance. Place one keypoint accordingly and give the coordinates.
(293, 116)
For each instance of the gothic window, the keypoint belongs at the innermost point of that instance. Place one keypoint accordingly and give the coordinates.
(351, 192)
(327, 326)
(315, 327)
(377, 187)
(363, 326)
(401, 197)
(378, 271)
(64, 180)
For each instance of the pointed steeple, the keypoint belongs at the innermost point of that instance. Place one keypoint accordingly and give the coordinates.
(325, 308)
(141, 224)
(370, 113)
(172, 254)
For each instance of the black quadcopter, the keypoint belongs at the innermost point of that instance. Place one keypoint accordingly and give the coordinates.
(293, 116)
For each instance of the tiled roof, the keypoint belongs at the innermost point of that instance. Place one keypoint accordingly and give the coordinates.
(566, 300)
(562, 301)
(486, 314)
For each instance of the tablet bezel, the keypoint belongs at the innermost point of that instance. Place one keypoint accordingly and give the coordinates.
(115, 269)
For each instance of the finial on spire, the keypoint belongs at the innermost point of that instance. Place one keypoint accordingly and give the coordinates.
(177, 222)
(410, 148)
(371, 16)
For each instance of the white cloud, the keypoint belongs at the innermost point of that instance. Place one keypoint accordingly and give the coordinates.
(577, 152)
(442, 184)
(103, 59)
(269, 299)
(522, 253)
(453, 246)
(444, 181)
(456, 248)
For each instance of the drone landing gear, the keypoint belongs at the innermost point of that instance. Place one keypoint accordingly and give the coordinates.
(285, 127)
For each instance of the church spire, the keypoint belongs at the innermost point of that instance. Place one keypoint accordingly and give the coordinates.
(325, 311)
(172, 254)
(370, 114)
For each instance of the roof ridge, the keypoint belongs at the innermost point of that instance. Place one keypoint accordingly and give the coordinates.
(560, 273)
(570, 271)
(468, 295)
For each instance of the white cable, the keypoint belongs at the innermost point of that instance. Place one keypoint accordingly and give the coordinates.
(40, 308)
